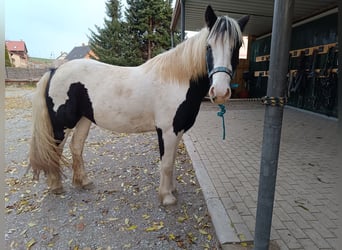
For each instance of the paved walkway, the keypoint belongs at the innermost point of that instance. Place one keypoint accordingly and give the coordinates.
(305, 209)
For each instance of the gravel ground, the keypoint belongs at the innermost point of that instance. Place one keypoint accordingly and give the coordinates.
(122, 211)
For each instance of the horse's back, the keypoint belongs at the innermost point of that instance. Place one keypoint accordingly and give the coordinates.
(116, 98)
(86, 69)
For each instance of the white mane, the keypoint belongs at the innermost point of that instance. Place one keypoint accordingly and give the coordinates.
(187, 60)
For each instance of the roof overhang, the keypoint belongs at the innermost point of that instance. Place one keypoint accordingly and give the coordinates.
(260, 11)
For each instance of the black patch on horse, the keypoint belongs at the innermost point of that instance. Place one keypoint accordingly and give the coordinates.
(68, 114)
(187, 111)
(209, 59)
(160, 142)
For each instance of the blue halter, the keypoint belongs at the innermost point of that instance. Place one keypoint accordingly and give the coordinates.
(217, 69)
(221, 69)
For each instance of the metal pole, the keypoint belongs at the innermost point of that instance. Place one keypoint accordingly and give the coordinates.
(182, 20)
(339, 115)
(172, 39)
(280, 43)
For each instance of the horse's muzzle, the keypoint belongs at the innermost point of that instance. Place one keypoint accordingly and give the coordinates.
(219, 99)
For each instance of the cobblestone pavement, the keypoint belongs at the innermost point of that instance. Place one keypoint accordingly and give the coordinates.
(305, 209)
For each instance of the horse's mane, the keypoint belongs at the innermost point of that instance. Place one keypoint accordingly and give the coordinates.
(187, 60)
(227, 28)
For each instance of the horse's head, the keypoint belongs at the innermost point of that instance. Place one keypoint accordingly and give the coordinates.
(222, 56)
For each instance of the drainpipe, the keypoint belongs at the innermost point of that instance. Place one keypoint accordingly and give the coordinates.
(182, 19)
(280, 43)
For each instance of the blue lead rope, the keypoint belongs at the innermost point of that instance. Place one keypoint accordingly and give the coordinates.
(221, 114)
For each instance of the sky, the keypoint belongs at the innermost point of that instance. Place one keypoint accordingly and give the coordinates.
(49, 27)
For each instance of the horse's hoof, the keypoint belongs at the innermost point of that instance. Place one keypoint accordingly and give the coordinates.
(58, 190)
(169, 199)
(88, 186)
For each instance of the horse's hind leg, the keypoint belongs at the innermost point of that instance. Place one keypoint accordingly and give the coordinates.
(168, 143)
(80, 134)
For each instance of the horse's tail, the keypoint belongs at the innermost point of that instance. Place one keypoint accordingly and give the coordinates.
(45, 155)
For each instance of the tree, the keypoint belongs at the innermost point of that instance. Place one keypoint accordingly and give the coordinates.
(130, 41)
(148, 22)
(108, 42)
(7, 58)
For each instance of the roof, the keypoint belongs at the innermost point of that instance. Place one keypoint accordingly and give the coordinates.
(16, 46)
(78, 52)
(62, 56)
(260, 11)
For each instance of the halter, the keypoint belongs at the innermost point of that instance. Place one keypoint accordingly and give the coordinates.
(221, 69)
(218, 69)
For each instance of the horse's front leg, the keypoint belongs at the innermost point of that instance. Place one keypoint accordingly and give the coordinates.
(168, 143)
(80, 134)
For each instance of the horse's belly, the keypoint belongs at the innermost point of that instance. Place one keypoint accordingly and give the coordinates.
(126, 123)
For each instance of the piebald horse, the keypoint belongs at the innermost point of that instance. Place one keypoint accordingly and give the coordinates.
(164, 95)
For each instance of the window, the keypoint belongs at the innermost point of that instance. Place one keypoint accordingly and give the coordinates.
(244, 48)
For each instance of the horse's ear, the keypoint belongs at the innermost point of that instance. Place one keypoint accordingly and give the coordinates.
(210, 17)
(243, 21)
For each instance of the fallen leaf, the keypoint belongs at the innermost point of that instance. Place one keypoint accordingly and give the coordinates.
(191, 238)
(126, 221)
(242, 237)
(206, 246)
(32, 224)
(23, 232)
(146, 216)
(155, 227)
(172, 236)
(180, 244)
(202, 231)
(30, 243)
(112, 219)
(181, 219)
(198, 219)
(133, 227)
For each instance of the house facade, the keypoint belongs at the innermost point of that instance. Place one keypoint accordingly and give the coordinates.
(18, 53)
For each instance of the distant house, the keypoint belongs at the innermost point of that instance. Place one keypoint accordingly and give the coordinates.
(62, 56)
(79, 52)
(18, 53)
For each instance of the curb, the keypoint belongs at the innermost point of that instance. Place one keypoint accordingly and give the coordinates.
(225, 232)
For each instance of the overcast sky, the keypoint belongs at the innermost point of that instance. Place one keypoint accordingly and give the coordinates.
(49, 27)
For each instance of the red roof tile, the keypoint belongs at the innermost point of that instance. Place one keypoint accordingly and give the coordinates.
(16, 46)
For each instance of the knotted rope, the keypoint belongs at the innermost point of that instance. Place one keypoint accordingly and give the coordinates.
(221, 114)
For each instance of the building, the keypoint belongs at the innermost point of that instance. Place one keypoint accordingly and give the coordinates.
(62, 56)
(18, 53)
(80, 52)
(312, 65)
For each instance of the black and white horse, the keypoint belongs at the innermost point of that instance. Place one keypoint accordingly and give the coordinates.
(163, 94)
